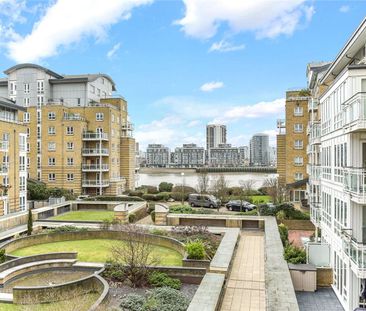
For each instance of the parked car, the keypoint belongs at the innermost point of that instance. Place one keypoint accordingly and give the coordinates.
(203, 200)
(240, 206)
(270, 205)
(82, 197)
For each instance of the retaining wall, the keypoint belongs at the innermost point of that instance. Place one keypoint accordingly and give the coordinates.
(297, 224)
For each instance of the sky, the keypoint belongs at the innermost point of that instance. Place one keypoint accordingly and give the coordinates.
(182, 64)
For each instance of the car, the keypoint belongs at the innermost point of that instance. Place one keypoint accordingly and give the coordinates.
(240, 206)
(82, 197)
(203, 200)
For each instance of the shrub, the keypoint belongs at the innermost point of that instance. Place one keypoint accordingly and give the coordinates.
(133, 302)
(287, 210)
(152, 214)
(159, 232)
(249, 213)
(132, 218)
(149, 189)
(177, 196)
(114, 272)
(30, 222)
(195, 250)
(163, 196)
(66, 229)
(2, 255)
(114, 198)
(294, 254)
(149, 197)
(283, 233)
(186, 209)
(186, 189)
(281, 215)
(160, 279)
(136, 193)
(150, 207)
(165, 187)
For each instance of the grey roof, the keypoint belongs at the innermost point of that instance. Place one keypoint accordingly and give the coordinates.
(83, 78)
(28, 65)
(3, 81)
(7, 103)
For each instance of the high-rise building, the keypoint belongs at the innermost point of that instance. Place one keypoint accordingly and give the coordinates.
(215, 135)
(272, 156)
(189, 155)
(13, 158)
(244, 155)
(79, 134)
(337, 189)
(157, 155)
(224, 155)
(291, 145)
(259, 150)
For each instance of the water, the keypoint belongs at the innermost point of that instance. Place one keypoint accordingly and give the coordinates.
(191, 178)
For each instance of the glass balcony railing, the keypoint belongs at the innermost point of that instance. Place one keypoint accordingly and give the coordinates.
(354, 181)
(95, 167)
(355, 112)
(4, 145)
(315, 133)
(95, 136)
(95, 152)
(95, 183)
(315, 213)
(356, 252)
(313, 104)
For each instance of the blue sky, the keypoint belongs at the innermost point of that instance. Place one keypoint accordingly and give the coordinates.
(182, 64)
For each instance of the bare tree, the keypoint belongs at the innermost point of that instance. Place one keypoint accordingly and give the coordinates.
(245, 191)
(275, 190)
(203, 182)
(135, 254)
(220, 188)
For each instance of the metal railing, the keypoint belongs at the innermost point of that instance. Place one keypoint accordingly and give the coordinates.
(4, 168)
(95, 151)
(4, 145)
(95, 167)
(356, 251)
(354, 181)
(355, 111)
(313, 104)
(315, 213)
(315, 133)
(95, 136)
(95, 183)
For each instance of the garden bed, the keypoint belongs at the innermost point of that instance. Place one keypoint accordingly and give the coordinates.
(85, 215)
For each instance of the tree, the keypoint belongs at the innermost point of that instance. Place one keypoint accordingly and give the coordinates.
(275, 190)
(245, 190)
(30, 222)
(220, 188)
(165, 187)
(203, 182)
(135, 254)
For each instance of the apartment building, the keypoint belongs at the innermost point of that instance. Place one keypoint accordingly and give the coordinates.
(79, 134)
(13, 158)
(188, 156)
(224, 155)
(157, 155)
(259, 150)
(215, 135)
(291, 145)
(338, 186)
(244, 155)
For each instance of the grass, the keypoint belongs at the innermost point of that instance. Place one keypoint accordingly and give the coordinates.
(89, 215)
(261, 199)
(97, 250)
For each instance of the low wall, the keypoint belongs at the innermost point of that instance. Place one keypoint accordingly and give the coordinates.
(190, 275)
(140, 210)
(193, 263)
(87, 235)
(324, 277)
(295, 224)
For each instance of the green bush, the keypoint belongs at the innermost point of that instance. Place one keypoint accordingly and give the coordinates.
(62, 229)
(114, 272)
(132, 218)
(249, 213)
(294, 254)
(136, 193)
(30, 222)
(133, 302)
(149, 189)
(283, 233)
(163, 196)
(2, 255)
(37, 191)
(287, 210)
(186, 189)
(159, 232)
(160, 279)
(186, 209)
(195, 250)
(114, 198)
(152, 214)
(177, 196)
(149, 197)
(165, 187)
(150, 208)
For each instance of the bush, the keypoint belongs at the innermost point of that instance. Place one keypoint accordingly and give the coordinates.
(159, 232)
(283, 233)
(294, 254)
(114, 272)
(149, 189)
(150, 208)
(177, 196)
(37, 191)
(165, 187)
(62, 229)
(133, 302)
(195, 250)
(287, 210)
(152, 214)
(186, 209)
(249, 213)
(2, 256)
(132, 218)
(30, 222)
(160, 279)
(163, 196)
(149, 197)
(136, 193)
(114, 198)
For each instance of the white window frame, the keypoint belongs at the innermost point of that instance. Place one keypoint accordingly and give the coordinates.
(99, 116)
(298, 128)
(70, 176)
(26, 88)
(26, 117)
(51, 116)
(51, 146)
(70, 146)
(51, 161)
(69, 130)
(51, 130)
(51, 177)
(298, 111)
(298, 144)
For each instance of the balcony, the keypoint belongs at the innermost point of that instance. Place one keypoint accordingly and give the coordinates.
(95, 183)
(356, 251)
(95, 152)
(95, 167)
(95, 136)
(4, 145)
(4, 168)
(127, 129)
(355, 113)
(354, 182)
(315, 133)
(315, 213)
(313, 104)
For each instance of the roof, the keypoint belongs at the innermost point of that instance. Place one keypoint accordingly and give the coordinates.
(347, 53)
(3, 81)
(298, 183)
(316, 71)
(83, 78)
(7, 103)
(29, 65)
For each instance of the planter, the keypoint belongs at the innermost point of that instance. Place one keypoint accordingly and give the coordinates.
(196, 263)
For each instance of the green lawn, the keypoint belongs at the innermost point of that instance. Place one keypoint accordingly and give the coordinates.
(89, 215)
(261, 199)
(98, 250)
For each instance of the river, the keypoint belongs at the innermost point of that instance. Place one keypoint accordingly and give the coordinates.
(154, 177)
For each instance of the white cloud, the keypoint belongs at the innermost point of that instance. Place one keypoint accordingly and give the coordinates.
(259, 110)
(210, 86)
(10, 13)
(68, 21)
(113, 50)
(266, 18)
(225, 46)
(344, 9)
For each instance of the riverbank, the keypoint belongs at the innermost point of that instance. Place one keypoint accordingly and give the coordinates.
(172, 170)
(165, 170)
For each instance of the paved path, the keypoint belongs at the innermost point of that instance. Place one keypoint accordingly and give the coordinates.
(245, 289)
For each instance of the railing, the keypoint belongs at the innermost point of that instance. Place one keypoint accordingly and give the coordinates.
(314, 171)
(354, 181)
(96, 136)
(313, 104)
(315, 213)
(95, 167)
(315, 133)
(4, 168)
(127, 126)
(356, 252)
(4, 145)
(71, 117)
(116, 179)
(95, 151)
(95, 183)
(355, 111)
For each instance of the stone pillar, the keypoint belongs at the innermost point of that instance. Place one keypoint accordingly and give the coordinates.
(161, 213)
(121, 213)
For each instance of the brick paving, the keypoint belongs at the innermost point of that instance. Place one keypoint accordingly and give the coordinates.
(245, 288)
(295, 236)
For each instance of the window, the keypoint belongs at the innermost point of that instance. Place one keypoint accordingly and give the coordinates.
(51, 116)
(51, 177)
(79, 101)
(51, 146)
(22, 142)
(104, 94)
(69, 130)
(70, 177)
(22, 206)
(51, 161)
(100, 116)
(298, 161)
(299, 176)
(70, 145)
(13, 88)
(26, 88)
(98, 92)
(40, 100)
(112, 117)
(22, 163)
(70, 161)
(26, 101)
(92, 89)
(298, 128)
(298, 111)
(40, 86)
(298, 144)
(26, 117)
(51, 130)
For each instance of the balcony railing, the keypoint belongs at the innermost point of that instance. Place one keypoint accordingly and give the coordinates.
(313, 104)
(4, 168)
(95, 136)
(355, 113)
(95, 183)
(95, 167)
(356, 252)
(315, 213)
(4, 145)
(315, 133)
(95, 152)
(354, 182)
